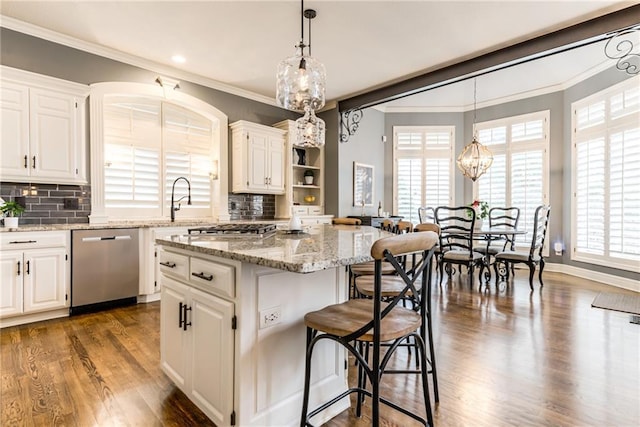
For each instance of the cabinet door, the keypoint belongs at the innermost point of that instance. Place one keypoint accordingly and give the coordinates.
(174, 350)
(45, 279)
(14, 136)
(212, 355)
(258, 146)
(276, 164)
(53, 135)
(11, 271)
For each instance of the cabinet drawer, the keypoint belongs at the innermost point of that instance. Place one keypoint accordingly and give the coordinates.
(315, 210)
(32, 240)
(300, 210)
(174, 264)
(213, 276)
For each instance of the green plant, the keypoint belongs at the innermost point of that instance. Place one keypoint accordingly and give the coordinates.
(481, 208)
(11, 209)
(308, 172)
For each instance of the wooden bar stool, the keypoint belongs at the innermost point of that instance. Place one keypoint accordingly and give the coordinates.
(363, 323)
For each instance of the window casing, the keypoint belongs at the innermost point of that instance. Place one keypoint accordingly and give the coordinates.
(423, 168)
(605, 209)
(519, 175)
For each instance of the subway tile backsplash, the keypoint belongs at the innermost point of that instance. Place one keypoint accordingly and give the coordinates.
(252, 206)
(50, 203)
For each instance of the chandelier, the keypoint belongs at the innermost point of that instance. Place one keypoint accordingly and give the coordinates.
(301, 78)
(475, 159)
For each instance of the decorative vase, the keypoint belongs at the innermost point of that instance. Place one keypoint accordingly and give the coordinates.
(308, 180)
(11, 222)
(478, 224)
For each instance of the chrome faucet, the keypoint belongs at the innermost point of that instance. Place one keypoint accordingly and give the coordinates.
(188, 196)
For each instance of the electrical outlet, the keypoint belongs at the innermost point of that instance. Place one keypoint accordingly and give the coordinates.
(270, 316)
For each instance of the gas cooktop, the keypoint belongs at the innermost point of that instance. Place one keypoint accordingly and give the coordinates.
(257, 230)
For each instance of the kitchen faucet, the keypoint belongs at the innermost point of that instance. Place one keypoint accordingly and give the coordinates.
(188, 196)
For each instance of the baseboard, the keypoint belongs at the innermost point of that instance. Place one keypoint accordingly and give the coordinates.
(34, 317)
(143, 299)
(607, 279)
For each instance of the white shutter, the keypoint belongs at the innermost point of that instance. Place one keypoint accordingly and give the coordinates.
(527, 188)
(409, 188)
(606, 178)
(132, 157)
(423, 168)
(188, 145)
(492, 186)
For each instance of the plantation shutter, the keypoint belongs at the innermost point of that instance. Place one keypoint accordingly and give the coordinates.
(519, 174)
(187, 153)
(132, 157)
(606, 178)
(423, 173)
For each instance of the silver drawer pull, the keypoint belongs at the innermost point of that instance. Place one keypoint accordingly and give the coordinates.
(169, 264)
(22, 241)
(208, 277)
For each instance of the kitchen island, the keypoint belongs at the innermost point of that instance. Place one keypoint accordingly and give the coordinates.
(232, 331)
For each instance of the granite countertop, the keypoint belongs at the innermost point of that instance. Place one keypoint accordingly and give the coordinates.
(130, 224)
(320, 247)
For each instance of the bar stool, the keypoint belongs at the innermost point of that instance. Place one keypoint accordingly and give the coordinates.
(392, 286)
(346, 221)
(360, 323)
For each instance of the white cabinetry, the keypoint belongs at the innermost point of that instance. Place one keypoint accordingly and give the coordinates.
(302, 198)
(150, 254)
(258, 158)
(43, 129)
(197, 330)
(34, 276)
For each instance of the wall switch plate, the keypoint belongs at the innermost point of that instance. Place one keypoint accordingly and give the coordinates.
(71, 203)
(270, 316)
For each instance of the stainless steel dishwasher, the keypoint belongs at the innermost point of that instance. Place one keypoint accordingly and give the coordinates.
(104, 268)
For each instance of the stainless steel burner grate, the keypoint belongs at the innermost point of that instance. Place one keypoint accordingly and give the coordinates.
(259, 230)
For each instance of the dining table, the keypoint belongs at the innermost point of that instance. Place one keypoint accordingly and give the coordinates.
(490, 235)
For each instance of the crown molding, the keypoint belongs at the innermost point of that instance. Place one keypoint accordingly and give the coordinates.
(55, 37)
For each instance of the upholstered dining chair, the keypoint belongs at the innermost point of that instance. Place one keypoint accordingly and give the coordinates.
(456, 240)
(505, 218)
(533, 256)
(364, 324)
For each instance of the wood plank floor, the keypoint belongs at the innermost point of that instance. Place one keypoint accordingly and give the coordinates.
(506, 357)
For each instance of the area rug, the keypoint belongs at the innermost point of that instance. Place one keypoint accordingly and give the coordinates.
(618, 302)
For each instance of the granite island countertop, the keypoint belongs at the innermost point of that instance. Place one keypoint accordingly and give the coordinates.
(320, 247)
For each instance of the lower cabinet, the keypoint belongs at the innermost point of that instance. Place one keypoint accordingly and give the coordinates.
(33, 281)
(197, 347)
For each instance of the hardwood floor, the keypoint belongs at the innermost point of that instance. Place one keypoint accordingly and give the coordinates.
(506, 357)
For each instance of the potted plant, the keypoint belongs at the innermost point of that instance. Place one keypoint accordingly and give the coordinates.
(308, 177)
(11, 211)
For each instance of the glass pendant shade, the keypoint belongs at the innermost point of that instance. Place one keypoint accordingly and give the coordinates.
(300, 82)
(310, 130)
(474, 160)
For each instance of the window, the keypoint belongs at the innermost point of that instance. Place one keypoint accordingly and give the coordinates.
(606, 177)
(423, 168)
(147, 145)
(519, 173)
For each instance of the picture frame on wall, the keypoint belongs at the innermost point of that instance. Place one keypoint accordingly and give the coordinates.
(362, 184)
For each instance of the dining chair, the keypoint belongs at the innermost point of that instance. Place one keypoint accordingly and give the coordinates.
(426, 214)
(533, 256)
(456, 240)
(364, 324)
(506, 218)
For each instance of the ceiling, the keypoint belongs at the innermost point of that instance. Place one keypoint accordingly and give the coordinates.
(236, 45)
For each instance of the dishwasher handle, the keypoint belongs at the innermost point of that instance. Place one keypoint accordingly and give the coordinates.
(98, 239)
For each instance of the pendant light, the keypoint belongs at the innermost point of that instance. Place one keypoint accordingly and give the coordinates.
(309, 130)
(476, 158)
(300, 81)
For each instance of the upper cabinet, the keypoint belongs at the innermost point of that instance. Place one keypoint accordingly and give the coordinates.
(258, 158)
(43, 129)
(304, 190)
